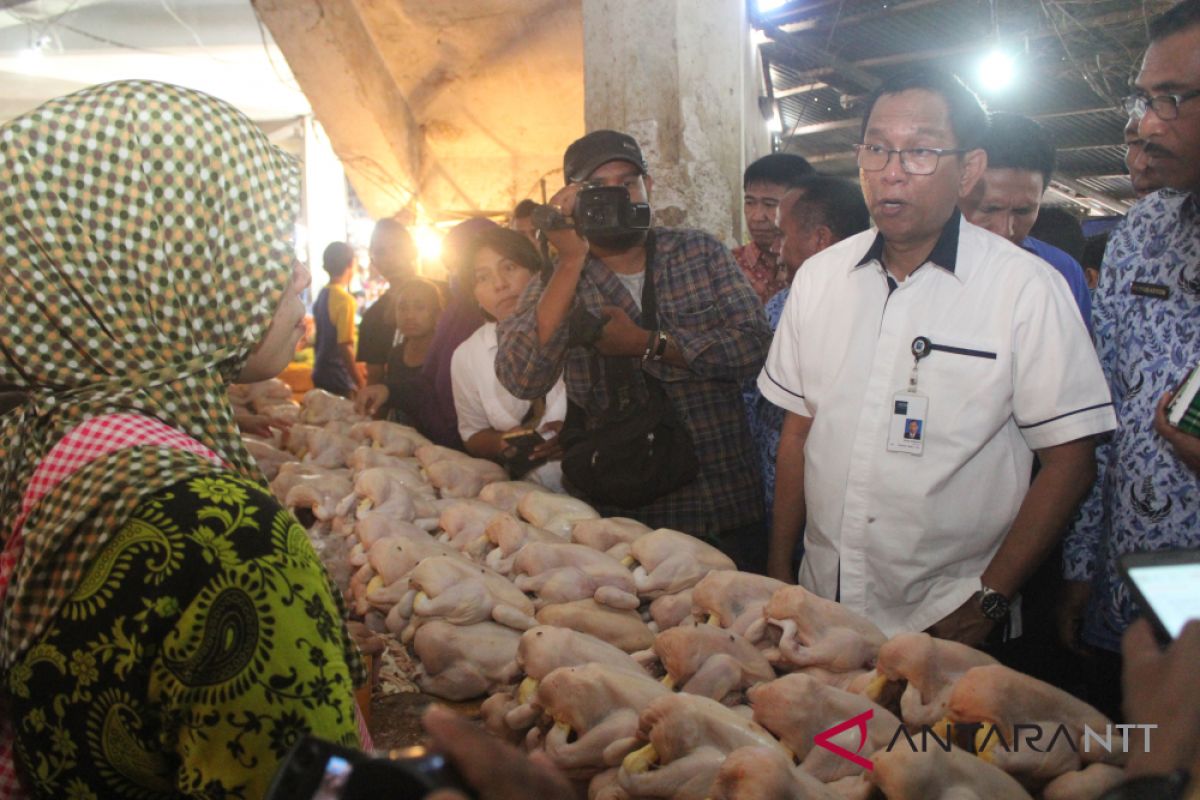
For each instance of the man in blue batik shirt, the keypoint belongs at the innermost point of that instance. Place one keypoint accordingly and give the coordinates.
(1147, 315)
(1006, 200)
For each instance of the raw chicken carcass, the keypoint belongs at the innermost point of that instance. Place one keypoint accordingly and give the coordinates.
(671, 610)
(669, 562)
(457, 477)
(319, 407)
(613, 535)
(319, 492)
(763, 773)
(457, 591)
(380, 524)
(599, 706)
(281, 415)
(509, 535)
(796, 708)
(464, 523)
(546, 648)
(395, 491)
(257, 396)
(622, 629)
(930, 667)
(268, 457)
(459, 662)
(366, 457)
(392, 439)
(562, 572)
(505, 495)
(733, 600)
(821, 633)
(1087, 784)
(709, 661)
(689, 738)
(905, 774)
(428, 454)
(556, 513)
(1002, 698)
(328, 448)
(293, 473)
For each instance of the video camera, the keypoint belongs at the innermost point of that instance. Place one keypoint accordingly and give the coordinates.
(600, 211)
(319, 770)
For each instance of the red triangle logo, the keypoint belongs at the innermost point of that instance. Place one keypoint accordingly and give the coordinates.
(860, 722)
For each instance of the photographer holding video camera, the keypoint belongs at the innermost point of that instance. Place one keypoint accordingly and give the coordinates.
(653, 329)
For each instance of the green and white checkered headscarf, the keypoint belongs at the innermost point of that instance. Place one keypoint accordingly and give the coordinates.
(146, 238)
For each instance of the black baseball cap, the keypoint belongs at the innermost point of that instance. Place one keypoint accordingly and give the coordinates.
(600, 147)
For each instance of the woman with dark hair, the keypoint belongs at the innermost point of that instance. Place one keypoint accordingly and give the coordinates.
(492, 422)
(168, 630)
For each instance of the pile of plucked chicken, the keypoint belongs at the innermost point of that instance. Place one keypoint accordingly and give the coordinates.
(641, 661)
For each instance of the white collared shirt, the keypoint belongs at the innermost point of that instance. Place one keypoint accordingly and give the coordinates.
(905, 538)
(482, 403)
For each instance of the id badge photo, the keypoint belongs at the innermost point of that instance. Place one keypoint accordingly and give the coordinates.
(906, 430)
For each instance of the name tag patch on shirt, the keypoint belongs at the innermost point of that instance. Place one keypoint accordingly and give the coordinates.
(1150, 290)
(906, 431)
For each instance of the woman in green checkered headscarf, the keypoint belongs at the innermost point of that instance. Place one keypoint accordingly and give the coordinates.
(167, 629)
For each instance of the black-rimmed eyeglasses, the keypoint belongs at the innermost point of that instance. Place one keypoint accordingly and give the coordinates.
(1166, 106)
(913, 160)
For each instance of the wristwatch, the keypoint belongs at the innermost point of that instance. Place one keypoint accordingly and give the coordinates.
(993, 604)
(1150, 787)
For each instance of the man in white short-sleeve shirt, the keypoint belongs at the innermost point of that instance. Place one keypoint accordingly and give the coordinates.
(939, 531)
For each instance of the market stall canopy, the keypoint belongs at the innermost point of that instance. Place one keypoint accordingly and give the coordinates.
(464, 105)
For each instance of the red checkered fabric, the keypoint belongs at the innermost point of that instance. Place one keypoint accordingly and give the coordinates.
(92, 439)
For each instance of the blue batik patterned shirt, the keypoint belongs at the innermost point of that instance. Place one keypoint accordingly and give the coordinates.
(1146, 314)
(766, 418)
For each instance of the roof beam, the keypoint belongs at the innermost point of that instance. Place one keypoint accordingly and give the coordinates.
(815, 86)
(860, 75)
(822, 24)
(1076, 192)
(835, 65)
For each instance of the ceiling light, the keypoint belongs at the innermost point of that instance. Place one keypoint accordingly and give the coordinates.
(774, 125)
(767, 6)
(429, 244)
(996, 71)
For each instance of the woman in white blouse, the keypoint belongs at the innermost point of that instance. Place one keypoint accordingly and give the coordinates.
(500, 266)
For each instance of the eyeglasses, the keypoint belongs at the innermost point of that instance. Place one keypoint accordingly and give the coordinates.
(914, 161)
(1166, 106)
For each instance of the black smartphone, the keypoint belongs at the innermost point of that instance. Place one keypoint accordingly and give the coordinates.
(523, 441)
(319, 770)
(1166, 585)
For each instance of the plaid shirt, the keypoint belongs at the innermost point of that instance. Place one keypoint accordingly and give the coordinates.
(711, 312)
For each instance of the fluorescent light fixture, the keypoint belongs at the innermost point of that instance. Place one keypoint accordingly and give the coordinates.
(997, 71)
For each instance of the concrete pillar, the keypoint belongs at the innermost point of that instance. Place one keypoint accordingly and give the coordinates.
(681, 77)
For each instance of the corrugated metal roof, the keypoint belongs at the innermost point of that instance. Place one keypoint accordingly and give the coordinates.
(1075, 59)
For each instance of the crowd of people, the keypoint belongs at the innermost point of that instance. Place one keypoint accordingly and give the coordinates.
(895, 394)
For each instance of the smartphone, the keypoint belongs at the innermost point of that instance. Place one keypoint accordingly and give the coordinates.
(523, 441)
(1166, 585)
(316, 769)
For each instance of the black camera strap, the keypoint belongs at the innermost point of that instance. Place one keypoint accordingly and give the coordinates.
(620, 372)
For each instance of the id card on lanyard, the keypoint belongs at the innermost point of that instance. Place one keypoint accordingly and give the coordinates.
(910, 409)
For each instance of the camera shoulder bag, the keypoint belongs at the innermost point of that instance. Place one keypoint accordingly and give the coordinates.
(638, 450)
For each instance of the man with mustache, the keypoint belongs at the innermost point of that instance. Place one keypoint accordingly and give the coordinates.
(1147, 319)
(934, 320)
